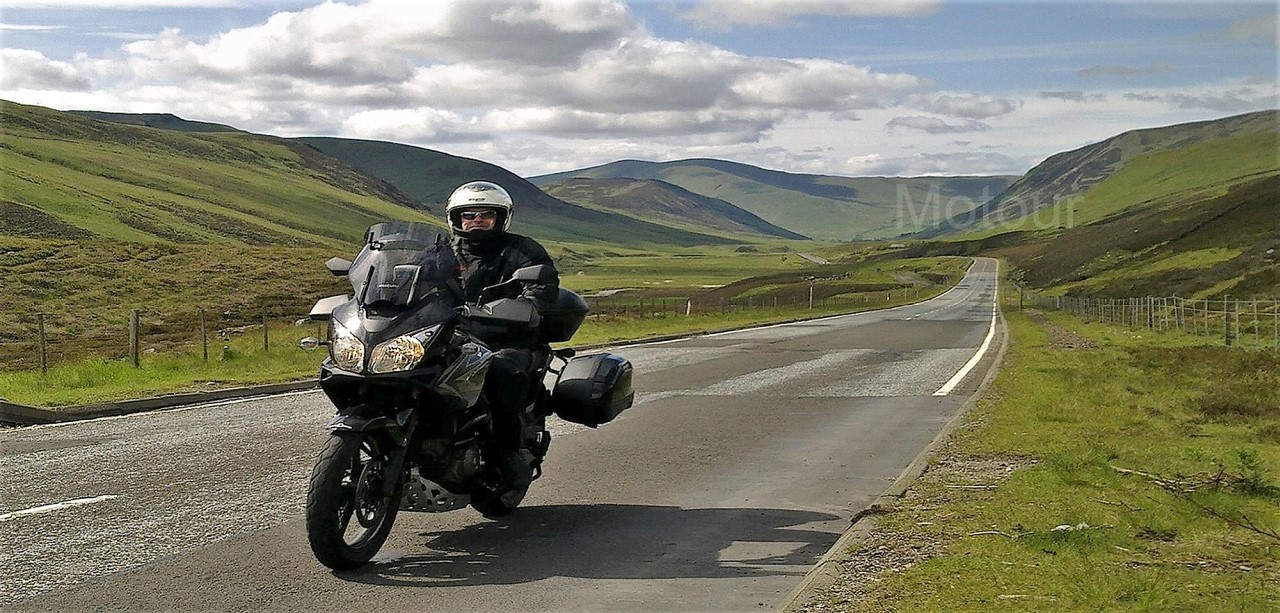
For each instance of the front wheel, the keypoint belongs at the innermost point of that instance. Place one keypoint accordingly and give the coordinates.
(348, 518)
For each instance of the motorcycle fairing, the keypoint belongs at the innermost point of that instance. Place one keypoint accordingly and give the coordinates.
(464, 378)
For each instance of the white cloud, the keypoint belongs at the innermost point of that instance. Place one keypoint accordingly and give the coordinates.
(413, 125)
(26, 69)
(820, 85)
(720, 14)
(1231, 101)
(933, 125)
(1073, 96)
(969, 106)
(453, 71)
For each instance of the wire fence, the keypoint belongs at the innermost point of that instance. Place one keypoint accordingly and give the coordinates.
(39, 341)
(1251, 323)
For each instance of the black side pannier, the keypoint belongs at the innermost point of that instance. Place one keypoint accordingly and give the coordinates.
(562, 320)
(592, 389)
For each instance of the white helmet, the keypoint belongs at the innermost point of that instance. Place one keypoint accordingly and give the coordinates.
(479, 195)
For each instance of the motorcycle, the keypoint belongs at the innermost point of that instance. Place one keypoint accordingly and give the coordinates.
(413, 430)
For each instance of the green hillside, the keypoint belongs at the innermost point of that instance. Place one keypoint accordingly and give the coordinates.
(1205, 245)
(1198, 221)
(819, 206)
(429, 176)
(662, 202)
(69, 177)
(1059, 181)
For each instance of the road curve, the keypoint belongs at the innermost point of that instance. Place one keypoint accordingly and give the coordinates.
(742, 462)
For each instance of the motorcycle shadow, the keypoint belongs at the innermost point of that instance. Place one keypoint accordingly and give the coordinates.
(610, 541)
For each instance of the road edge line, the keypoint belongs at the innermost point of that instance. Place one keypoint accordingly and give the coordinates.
(977, 357)
(826, 570)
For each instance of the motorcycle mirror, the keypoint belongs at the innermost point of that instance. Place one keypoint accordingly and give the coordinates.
(311, 343)
(338, 266)
(323, 309)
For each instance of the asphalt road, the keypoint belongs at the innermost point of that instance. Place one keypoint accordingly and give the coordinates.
(742, 462)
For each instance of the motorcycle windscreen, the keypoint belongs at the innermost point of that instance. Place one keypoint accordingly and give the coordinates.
(403, 263)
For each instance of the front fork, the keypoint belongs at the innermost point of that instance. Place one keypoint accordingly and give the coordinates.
(392, 429)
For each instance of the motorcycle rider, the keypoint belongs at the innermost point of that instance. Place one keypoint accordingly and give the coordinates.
(479, 215)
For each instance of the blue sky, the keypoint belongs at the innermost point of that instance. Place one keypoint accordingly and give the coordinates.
(825, 86)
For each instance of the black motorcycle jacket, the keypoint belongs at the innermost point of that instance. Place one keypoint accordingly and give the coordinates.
(492, 260)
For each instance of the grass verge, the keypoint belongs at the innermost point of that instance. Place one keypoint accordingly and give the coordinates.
(1099, 472)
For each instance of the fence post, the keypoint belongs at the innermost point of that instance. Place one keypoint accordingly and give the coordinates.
(204, 336)
(1226, 323)
(265, 344)
(1206, 318)
(1236, 324)
(133, 337)
(44, 352)
(1256, 339)
(688, 307)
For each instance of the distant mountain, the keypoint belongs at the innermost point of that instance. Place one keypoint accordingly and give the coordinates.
(430, 176)
(819, 206)
(1073, 173)
(662, 202)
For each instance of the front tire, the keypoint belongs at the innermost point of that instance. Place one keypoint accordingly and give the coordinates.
(345, 486)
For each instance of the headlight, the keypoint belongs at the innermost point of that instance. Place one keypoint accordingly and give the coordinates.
(346, 350)
(402, 352)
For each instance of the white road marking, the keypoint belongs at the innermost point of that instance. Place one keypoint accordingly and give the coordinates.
(49, 508)
(973, 361)
(755, 382)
